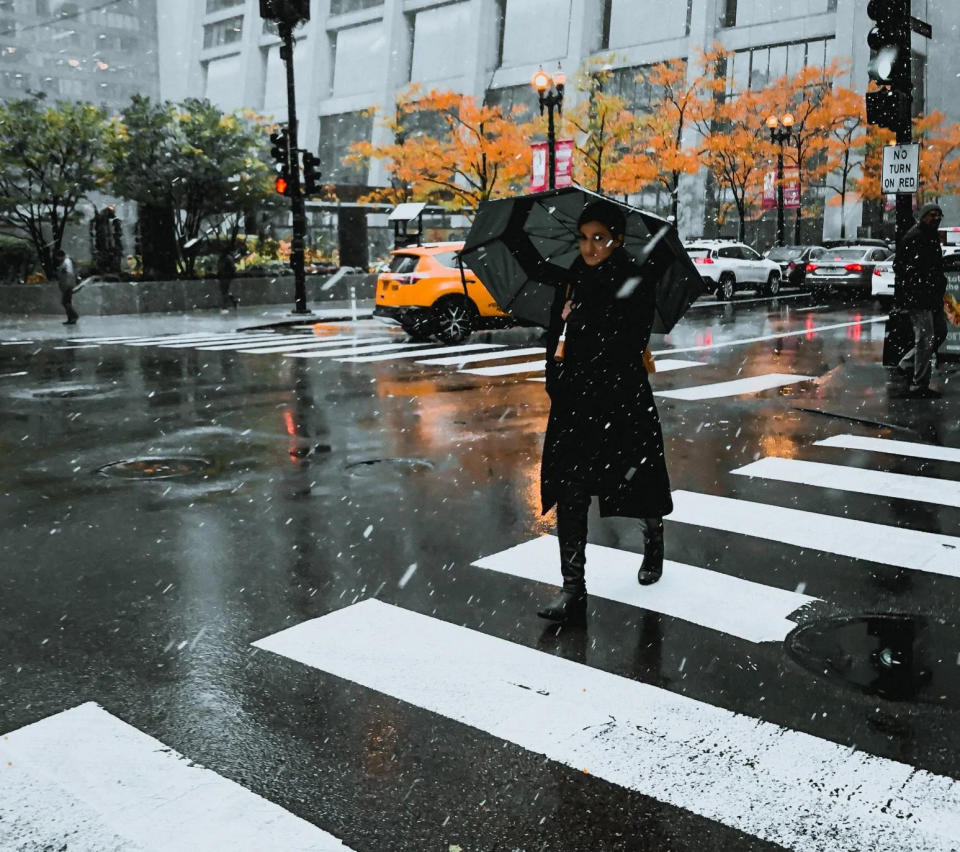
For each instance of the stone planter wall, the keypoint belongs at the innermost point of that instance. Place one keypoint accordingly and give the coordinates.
(143, 297)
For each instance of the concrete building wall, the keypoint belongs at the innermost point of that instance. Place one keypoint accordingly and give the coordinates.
(354, 54)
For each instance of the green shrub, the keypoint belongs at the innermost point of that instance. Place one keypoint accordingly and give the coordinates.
(17, 259)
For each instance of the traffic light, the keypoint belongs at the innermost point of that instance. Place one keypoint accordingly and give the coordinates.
(889, 41)
(289, 12)
(311, 173)
(280, 147)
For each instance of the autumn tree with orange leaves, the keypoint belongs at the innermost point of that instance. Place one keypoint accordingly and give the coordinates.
(680, 102)
(842, 144)
(448, 150)
(606, 129)
(939, 156)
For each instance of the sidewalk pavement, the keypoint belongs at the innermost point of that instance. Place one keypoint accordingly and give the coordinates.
(215, 321)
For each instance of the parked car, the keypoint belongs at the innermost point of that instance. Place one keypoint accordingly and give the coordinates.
(793, 261)
(727, 266)
(845, 270)
(863, 241)
(424, 293)
(881, 282)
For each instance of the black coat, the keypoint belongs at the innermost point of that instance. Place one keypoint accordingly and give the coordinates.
(604, 429)
(920, 264)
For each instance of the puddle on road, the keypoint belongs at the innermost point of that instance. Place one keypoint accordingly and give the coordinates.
(151, 467)
(899, 657)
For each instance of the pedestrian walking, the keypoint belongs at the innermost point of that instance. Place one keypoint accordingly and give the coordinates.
(67, 280)
(226, 269)
(603, 434)
(920, 290)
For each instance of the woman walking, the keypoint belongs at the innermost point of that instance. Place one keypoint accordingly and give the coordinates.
(603, 434)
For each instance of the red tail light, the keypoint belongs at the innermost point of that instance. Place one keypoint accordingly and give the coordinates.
(877, 271)
(791, 266)
(854, 267)
(703, 260)
(811, 267)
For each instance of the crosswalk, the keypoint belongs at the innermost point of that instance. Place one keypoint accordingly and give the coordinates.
(482, 360)
(794, 788)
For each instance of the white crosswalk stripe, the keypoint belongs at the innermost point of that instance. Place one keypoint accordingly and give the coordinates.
(318, 346)
(753, 384)
(413, 353)
(359, 349)
(784, 786)
(889, 446)
(508, 369)
(85, 780)
(288, 338)
(923, 489)
(903, 548)
(486, 356)
(751, 611)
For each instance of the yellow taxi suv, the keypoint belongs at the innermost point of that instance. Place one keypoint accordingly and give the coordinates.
(424, 292)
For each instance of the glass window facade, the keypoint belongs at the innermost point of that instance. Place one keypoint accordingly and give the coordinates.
(342, 7)
(744, 13)
(336, 134)
(223, 32)
(759, 66)
(432, 57)
(217, 5)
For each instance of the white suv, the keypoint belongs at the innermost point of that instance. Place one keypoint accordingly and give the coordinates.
(727, 266)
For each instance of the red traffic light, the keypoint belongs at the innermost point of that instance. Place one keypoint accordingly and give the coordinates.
(281, 185)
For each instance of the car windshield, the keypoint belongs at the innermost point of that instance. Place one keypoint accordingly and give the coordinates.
(846, 254)
(403, 264)
(785, 252)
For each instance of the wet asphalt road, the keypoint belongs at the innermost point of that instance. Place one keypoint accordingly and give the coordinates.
(321, 483)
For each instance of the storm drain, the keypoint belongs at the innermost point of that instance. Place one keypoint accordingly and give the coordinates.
(892, 656)
(157, 468)
(401, 466)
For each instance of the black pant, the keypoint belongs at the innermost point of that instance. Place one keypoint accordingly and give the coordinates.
(227, 299)
(66, 299)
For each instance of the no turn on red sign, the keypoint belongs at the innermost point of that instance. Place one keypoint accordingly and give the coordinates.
(901, 169)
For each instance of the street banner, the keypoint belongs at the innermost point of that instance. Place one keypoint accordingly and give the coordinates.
(563, 167)
(951, 346)
(563, 174)
(538, 173)
(791, 190)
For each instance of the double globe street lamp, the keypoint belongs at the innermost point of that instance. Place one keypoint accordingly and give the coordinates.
(781, 130)
(550, 92)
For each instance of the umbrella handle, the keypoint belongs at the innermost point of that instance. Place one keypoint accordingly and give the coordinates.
(561, 345)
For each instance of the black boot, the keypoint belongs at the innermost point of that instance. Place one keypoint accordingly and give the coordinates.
(651, 569)
(571, 603)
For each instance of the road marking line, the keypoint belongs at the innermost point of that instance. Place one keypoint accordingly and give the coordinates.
(787, 787)
(319, 345)
(291, 338)
(753, 384)
(901, 486)
(887, 445)
(12, 375)
(352, 350)
(666, 365)
(743, 341)
(711, 304)
(413, 353)
(232, 338)
(188, 339)
(487, 356)
(85, 779)
(752, 611)
(508, 369)
(902, 548)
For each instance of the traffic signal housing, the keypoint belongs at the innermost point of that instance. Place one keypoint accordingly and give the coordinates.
(889, 40)
(290, 12)
(280, 147)
(311, 174)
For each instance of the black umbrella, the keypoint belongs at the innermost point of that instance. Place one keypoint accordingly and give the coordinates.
(522, 248)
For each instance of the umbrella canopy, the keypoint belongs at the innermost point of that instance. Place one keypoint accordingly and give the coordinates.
(522, 248)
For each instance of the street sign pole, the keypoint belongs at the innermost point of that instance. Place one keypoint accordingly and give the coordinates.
(296, 202)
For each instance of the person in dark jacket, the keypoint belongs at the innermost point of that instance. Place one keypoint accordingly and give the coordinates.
(226, 269)
(919, 291)
(67, 281)
(603, 434)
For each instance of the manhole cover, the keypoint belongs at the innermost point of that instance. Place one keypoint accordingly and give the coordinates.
(897, 657)
(376, 467)
(157, 468)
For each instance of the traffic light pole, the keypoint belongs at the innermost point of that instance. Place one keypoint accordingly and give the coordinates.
(297, 205)
(903, 83)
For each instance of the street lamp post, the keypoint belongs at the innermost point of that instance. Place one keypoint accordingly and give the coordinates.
(550, 92)
(780, 131)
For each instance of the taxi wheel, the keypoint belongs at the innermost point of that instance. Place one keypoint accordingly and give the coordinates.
(457, 318)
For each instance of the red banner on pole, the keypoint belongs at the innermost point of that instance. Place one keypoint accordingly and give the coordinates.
(791, 190)
(563, 168)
